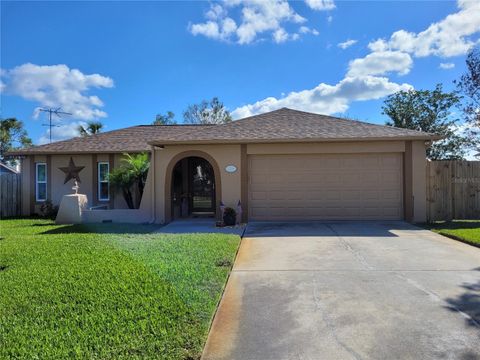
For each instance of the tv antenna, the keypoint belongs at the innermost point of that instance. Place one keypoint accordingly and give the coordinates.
(54, 111)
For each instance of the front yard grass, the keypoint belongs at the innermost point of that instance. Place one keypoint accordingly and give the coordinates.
(107, 291)
(464, 230)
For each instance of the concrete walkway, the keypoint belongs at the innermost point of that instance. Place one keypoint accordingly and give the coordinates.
(200, 225)
(351, 290)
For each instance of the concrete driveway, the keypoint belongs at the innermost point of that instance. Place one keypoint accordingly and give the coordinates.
(349, 290)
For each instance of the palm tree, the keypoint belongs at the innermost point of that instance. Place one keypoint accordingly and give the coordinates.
(93, 127)
(123, 180)
(138, 165)
(132, 172)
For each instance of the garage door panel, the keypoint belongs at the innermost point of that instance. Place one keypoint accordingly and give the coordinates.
(390, 177)
(333, 195)
(392, 161)
(392, 195)
(258, 195)
(391, 212)
(277, 195)
(351, 180)
(329, 186)
(369, 179)
(351, 196)
(259, 212)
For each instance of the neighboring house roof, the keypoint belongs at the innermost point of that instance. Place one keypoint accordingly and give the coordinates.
(5, 169)
(283, 125)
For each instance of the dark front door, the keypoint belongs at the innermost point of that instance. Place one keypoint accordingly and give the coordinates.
(201, 186)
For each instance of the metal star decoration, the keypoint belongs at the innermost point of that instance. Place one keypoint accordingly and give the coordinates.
(71, 172)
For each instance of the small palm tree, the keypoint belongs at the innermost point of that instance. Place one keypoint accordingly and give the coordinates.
(138, 165)
(93, 127)
(133, 171)
(123, 180)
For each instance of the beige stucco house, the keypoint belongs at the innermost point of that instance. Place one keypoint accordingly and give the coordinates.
(281, 165)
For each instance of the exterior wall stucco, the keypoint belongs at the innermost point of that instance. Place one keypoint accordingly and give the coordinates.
(146, 205)
(58, 177)
(419, 181)
(26, 185)
(327, 148)
(55, 186)
(132, 216)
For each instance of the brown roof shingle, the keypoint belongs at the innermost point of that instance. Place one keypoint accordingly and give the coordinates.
(131, 139)
(287, 125)
(283, 125)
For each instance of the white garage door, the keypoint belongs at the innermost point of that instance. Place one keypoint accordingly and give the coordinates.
(330, 186)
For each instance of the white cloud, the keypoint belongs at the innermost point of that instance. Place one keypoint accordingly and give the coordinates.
(258, 17)
(454, 35)
(57, 86)
(280, 35)
(346, 44)
(381, 62)
(216, 11)
(446, 66)
(378, 45)
(330, 19)
(64, 131)
(307, 30)
(325, 98)
(219, 30)
(2, 84)
(321, 5)
(448, 37)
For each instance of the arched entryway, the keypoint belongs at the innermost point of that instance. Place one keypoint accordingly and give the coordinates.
(193, 184)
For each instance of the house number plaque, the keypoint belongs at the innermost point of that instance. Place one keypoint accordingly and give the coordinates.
(230, 168)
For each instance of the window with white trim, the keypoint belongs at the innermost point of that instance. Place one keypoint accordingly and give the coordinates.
(40, 182)
(103, 182)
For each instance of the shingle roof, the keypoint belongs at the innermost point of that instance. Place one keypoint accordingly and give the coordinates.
(287, 125)
(131, 139)
(283, 125)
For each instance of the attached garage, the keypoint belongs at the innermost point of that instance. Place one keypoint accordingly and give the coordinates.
(325, 186)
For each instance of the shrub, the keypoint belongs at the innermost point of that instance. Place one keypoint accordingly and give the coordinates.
(229, 216)
(48, 210)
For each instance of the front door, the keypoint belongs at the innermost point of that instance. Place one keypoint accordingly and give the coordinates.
(201, 187)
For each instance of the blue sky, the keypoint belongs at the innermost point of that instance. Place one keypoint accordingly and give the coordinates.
(124, 62)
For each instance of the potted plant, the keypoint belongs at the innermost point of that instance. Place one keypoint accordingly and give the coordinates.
(229, 216)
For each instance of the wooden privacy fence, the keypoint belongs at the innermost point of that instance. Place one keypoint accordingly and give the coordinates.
(453, 190)
(10, 195)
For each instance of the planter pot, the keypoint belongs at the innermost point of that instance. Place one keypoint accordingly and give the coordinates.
(229, 220)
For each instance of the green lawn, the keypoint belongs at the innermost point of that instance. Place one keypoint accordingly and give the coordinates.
(464, 230)
(107, 291)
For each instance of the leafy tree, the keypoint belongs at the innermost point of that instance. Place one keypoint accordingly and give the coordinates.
(167, 119)
(207, 112)
(12, 136)
(429, 111)
(469, 87)
(93, 127)
(133, 172)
